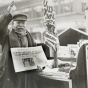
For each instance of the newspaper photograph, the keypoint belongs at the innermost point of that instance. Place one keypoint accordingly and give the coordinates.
(28, 58)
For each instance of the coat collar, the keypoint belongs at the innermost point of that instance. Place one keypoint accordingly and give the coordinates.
(14, 41)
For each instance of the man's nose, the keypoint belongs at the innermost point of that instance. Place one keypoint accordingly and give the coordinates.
(20, 24)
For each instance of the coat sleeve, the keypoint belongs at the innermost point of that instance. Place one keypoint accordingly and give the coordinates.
(4, 22)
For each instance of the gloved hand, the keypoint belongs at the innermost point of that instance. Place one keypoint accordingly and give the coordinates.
(40, 68)
(11, 8)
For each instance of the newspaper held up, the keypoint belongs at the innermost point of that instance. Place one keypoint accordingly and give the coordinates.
(28, 58)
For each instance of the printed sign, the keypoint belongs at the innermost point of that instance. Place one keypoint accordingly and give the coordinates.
(73, 49)
(49, 18)
(28, 58)
(63, 52)
(51, 38)
(48, 43)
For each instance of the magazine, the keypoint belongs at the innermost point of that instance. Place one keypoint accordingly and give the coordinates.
(73, 50)
(63, 52)
(69, 51)
(28, 58)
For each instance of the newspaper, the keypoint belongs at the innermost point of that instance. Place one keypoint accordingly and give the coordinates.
(73, 49)
(28, 58)
(69, 51)
(63, 52)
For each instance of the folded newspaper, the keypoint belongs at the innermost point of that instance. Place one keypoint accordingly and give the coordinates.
(28, 58)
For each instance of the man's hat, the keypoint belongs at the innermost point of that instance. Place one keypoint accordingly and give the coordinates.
(17, 17)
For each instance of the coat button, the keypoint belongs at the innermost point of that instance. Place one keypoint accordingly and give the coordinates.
(8, 79)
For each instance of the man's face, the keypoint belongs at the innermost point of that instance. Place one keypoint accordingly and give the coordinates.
(19, 25)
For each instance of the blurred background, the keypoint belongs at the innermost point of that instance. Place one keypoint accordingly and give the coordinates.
(68, 13)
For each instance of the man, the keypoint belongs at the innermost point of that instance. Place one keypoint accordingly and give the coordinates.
(18, 37)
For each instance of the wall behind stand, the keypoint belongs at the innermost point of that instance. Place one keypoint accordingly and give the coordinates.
(71, 36)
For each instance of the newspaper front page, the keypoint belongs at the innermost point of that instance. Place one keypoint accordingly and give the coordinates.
(28, 58)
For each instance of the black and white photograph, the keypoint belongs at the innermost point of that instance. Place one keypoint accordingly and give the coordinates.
(43, 43)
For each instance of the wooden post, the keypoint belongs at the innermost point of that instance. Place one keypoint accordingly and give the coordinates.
(55, 57)
(50, 36)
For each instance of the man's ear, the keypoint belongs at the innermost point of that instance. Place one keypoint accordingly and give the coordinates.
(12, 24)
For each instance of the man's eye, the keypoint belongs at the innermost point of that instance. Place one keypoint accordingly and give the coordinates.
(18, 22)
(23, 22)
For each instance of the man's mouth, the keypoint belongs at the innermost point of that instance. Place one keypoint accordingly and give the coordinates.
(20, 27)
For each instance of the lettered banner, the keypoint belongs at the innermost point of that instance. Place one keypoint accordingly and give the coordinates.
(49, 18)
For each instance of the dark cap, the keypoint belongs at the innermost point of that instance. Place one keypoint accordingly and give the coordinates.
(17, 17)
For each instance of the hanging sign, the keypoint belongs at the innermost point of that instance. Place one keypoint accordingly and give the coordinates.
(49, 19)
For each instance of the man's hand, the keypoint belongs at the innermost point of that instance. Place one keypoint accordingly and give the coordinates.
(11, 8)
(40, 68)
